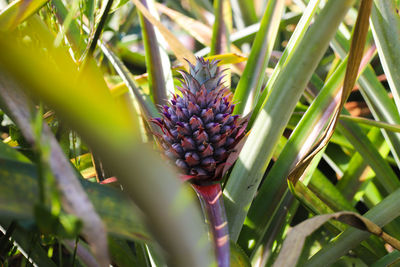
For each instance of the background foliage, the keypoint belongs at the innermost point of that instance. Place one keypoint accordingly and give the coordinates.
(82, 181)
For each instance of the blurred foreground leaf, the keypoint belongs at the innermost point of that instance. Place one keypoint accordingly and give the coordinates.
(84, 101)
(17, 12)
(23, 239)
(19, 193)
(238, 257)
(39, 137)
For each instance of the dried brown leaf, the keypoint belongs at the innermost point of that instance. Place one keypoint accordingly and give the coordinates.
(355, 65)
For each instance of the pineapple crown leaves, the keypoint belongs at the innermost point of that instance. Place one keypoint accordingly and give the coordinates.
(204, 73)
(199, 131)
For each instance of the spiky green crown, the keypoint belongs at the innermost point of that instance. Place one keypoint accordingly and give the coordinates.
(199, 129)
(204, 72)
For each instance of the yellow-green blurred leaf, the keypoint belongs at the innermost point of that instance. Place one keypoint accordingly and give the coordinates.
(17, 12)
(238, 257)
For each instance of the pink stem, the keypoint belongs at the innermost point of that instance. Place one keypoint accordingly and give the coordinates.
(213, 205)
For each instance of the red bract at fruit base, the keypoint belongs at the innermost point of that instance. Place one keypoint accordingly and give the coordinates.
(201, 136)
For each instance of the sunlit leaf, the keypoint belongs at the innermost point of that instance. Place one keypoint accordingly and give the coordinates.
(15, 102)
(85, 102)
(374, 123)
(17, 12)
(385, 27)
(249, 86)
(272, 119)
(352, 71)
(157, 77)
(179, 50)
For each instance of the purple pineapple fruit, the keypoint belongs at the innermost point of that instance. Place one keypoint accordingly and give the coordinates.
(199, 130)
(199, 135)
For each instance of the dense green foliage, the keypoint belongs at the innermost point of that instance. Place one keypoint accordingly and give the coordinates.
(83, 178)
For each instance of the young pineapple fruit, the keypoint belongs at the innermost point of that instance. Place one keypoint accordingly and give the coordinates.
(199, 130)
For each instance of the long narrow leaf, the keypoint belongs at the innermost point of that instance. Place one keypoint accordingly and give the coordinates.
(374, 123)
(257, 151)
(381, 214)
(250, 83)
(86, 105)
(17, 12)
(294, 242)
(200, 31)
(294, 41)
(73, 35)
(247, 11)
(368, 250)
(19, 193)
(220, 35)
(72, 32)
(23, 239)
(154, 63)
(147, 106)
(380, 104)
(303, 136)
(357, 171)
(181, 52)
(386, 28)
(385, 174)
(74, 198)
(352, 71)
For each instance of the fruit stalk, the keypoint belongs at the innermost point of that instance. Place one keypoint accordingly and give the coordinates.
(213, 206)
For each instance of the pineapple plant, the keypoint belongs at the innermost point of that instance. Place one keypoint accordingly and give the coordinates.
(199, 134)
(199, 130)
(104, 99)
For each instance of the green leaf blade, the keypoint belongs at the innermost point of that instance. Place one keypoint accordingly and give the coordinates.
(257, 151)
